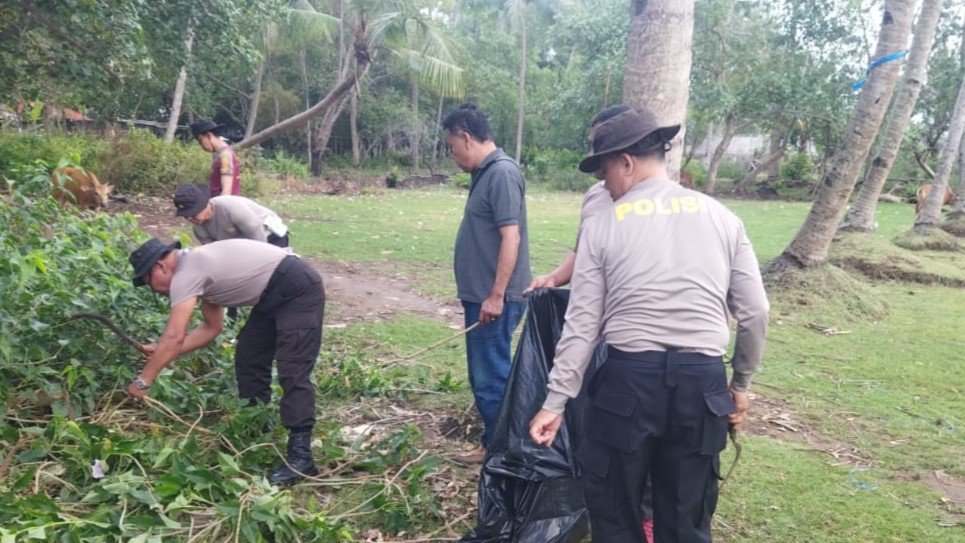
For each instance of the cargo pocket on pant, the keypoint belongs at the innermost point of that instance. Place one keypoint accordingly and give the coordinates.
(594, 459)
(714, 434)
(611, 421)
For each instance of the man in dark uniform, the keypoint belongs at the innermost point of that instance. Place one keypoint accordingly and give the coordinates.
(657, 277)
(288, 302)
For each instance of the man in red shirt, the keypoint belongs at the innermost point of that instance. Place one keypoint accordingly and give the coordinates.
(225, 177)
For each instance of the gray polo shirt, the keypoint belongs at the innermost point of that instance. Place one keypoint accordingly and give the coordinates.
(664, 268)
(235, 217)
(229, 273)
(496, 199)
(596, 200)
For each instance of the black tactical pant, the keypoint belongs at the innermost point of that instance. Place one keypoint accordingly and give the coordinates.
(285, 325)
(662, 414)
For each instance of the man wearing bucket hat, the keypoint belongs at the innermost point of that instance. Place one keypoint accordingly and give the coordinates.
(657, 277)
(288, 302)
(228, 217)
(225, 176)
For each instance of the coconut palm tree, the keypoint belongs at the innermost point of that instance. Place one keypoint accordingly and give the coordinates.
(657, 74)
(374, 24)
(810, 246)
(861, 216)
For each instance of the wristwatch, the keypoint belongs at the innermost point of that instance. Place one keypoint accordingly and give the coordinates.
(141, 384)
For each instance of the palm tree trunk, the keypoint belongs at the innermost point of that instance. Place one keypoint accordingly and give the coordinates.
(810, 246)
(861, 216)
(415, 133)
(255, 99)
(521, 114)
(308, 103)
(730, 128)
(435, 139)
(931, 214)
(775, 144)
(354, 129)
(179, 89)
(657, 75)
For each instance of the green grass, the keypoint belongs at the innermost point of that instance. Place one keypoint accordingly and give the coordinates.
(783, 492)
(890, 391)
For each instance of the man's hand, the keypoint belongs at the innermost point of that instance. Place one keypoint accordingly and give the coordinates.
(543, 281)
(147, 349)
(137, 393)
(544, 426)
(742, 403)
(491, 309)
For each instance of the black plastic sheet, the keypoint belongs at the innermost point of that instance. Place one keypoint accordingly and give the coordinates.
(529, 493)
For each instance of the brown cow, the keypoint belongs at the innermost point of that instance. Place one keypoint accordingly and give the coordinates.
(88, 192)
(923, 192)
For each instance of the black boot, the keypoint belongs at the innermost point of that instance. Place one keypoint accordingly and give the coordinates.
(299, 459)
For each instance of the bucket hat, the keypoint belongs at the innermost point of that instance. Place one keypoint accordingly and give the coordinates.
(202, 126)
(622, 131)
(146, 255)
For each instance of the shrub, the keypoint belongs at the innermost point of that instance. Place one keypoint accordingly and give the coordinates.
(798, 168)
(189, 463)
(573, 181)
(696, 169)
(462, 180)
(544, 164)
(21, 149)
(284, 164)
(140, 162)
(730, 169)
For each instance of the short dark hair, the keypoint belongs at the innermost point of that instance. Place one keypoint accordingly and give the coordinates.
(652, 146)
(469, 119)
(609, 113)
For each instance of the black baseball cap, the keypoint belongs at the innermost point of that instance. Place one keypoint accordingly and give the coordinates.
(190, 199)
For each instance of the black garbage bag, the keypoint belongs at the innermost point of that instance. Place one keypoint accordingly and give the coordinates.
(529, 493)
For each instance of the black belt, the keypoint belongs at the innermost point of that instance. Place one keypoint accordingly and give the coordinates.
(662, 356)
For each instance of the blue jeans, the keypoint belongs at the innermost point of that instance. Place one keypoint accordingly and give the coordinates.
(489, 358)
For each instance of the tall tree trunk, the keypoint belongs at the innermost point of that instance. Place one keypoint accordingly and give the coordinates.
(179, 89)
(435, 139)
(328, 120)
(931, 214)
(521, 114)
(255, 99)
(810, 246)
(308, 103)
(775, 143)
(353, 126)
(326, 125)
(861, 216)
(415, 133)
(657, 74)
(730, 128)
(333, 98)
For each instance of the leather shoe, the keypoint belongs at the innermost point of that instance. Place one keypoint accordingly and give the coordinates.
(474, 456)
